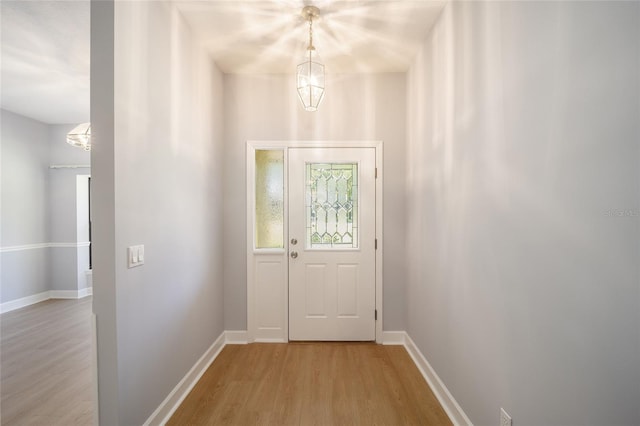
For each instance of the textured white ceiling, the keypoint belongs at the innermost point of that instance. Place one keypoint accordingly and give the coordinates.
(270, 36)
(45, 59)
(45, 44)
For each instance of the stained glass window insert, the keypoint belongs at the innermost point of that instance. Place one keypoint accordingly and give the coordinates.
(331, 205)
(269, 198)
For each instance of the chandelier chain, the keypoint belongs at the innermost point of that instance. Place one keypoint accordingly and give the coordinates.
(310, 73)
(311, 34)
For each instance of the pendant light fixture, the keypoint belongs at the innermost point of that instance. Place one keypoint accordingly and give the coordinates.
(310, 73)
(80, 136)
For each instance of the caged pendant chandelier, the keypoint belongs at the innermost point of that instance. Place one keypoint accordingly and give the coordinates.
(80, 136)
(310, 73)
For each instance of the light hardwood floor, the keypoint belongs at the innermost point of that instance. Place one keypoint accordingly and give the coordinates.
(45, 364)
(45, 379)
(311, 384)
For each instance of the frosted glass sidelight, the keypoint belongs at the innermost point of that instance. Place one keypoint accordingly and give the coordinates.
(331, 208)
(269, 198)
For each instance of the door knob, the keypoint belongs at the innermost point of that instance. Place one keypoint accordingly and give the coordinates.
(294, 241)
(294, 254)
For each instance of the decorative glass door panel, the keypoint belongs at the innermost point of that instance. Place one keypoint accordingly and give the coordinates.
(331, 243)
(331, 205)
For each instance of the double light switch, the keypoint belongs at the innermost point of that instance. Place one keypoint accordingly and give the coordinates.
(135, 256)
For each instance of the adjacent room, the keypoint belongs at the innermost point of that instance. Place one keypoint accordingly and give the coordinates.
(45, 275)
(335, 212)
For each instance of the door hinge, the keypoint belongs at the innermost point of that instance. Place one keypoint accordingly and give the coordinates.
(375, 315)
(376, 244)
(376, 173)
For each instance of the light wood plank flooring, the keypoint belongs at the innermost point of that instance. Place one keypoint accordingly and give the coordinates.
(45, 363)
(311, 384)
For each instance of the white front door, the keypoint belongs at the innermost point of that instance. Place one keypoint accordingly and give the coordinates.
(332, 243)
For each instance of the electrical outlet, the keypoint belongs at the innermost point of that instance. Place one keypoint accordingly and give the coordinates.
(505, 419)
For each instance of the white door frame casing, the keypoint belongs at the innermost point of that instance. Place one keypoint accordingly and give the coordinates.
(268, 308)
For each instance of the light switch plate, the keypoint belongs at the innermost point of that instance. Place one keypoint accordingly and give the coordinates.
(135, 256)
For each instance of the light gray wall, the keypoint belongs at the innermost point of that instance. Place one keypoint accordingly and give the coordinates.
(157, 170)
(39, 207)
(63, 271)
(62, 205)
(24, 188)
(63, 186)
(62, 212)
(64, 222)
(523, 209)
(355, 107)
(25, 168)
(24, 273)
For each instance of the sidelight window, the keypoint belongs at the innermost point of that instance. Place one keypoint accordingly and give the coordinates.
(269, 191)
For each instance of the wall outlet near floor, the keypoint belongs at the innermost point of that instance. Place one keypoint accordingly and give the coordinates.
(505, 419)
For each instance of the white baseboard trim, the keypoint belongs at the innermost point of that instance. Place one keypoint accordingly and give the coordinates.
(236, 337)
(165, 410)
(393, 337)
(23, 302)
(12, 305)
(450, 405)
(269, 340)
(71, 294)
(64, 294)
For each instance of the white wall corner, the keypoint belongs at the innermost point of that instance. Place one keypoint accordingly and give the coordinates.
(449, 404)
(85, 292)
(12, 305)
(23, 302)
(236, 337)
(393, 337)
(89, 275)
(165, 410)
